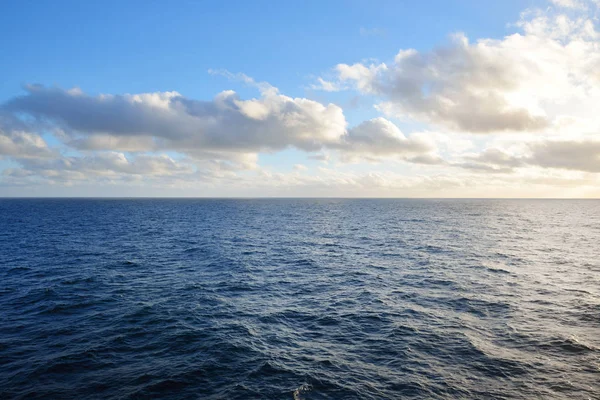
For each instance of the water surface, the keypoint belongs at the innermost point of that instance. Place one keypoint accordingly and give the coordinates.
(305, 299)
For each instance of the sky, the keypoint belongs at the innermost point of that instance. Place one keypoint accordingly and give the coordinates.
(437, 98)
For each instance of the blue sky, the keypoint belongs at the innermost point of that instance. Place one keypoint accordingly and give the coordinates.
(137, 47)
(145, 46)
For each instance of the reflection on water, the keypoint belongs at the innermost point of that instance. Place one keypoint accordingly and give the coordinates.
(299, 299)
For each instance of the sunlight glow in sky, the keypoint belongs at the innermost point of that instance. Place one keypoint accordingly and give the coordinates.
(457, 98)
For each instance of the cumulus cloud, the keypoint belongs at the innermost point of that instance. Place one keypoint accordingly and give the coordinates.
(221, 128)
(227, 123)
(23, 144)
(217, 138)
(521, 83)
(463, 86)
(379, 137)
(17, 141)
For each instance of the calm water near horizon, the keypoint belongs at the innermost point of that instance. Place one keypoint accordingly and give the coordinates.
(299, 299)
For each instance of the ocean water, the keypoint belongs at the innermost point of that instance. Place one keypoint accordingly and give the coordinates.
(299, 299)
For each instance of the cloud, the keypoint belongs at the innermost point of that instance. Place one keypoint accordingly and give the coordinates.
(17, 141)
(570, 155)
(223, 128)
(110, 164)
(462, 86)
(210, 140)
(574, 155)
(227, 123)
(378, 138)
(23, 144)
(103, 168)
(519, 83)
(575, 4)
(319, 157)
(492, 160)
(300, 167)
(326, 86)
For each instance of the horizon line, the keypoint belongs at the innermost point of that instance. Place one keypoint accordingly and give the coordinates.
(286, 198)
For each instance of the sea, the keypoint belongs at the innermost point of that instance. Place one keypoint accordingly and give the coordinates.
(299, 299)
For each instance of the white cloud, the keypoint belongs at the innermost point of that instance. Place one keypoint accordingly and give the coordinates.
(23, 144)
(223, 128)
(300, 167)
(215, 139)
(327, 86)
(227, 123)
(17, 141)
(379, 138)
(524, 82)
(575, 4)
(468, 87)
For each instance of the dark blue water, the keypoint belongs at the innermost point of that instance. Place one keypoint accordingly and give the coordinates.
(299, 299)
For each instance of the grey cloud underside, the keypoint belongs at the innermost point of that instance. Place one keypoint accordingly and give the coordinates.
(492, 160)
(577, 156)
(567, 155)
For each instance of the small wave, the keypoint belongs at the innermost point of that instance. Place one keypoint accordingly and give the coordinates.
(302, 262)
(569, 345)
(287, 316)
(434, 282)
(324, 303)
(577, 291)
(404, 331)
(66, 308)
(480, 307)
(267, 368)
(19, 269)
(194, 250)
(75, 281)
(433, 249)
(166, 386)
(328, 321)
(497, 270)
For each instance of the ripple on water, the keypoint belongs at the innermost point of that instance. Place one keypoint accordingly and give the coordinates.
(299, 299)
